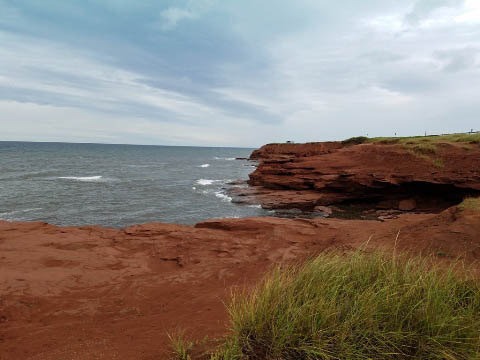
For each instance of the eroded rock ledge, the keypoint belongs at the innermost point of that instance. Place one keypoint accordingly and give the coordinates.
(373, 175)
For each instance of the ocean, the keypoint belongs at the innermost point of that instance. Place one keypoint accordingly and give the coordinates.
(119, 185)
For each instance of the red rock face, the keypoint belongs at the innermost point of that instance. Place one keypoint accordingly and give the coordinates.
(388, 176)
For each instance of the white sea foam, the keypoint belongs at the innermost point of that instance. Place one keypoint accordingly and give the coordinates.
(205, 182)
(204, 165)
(7, 215)
(224, 158)
(255, 206)
(82, 178)
(222, 196)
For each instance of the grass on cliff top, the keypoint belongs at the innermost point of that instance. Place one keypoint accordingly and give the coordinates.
(417, 140)
(358, 307)
(423, 147)
(470, 203)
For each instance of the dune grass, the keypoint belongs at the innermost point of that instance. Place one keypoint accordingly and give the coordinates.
(470, 203)
(358, 307)
(181, 347)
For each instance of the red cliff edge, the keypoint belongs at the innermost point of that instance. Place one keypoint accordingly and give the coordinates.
(411, 175)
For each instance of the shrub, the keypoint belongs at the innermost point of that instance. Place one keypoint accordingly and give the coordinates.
(355, 140)
(358, 307)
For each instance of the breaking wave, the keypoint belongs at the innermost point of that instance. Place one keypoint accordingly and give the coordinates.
(205, 182)
(82, 178)
(222, 196)
(8, 215)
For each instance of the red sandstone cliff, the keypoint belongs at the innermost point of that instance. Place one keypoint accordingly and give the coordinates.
(409, 176)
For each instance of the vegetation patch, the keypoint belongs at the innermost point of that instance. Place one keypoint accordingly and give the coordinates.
(426, 151)
(470, 203)
(181, 347)
(355, 140)
(423, 148)
(366, 306)
(464, 138)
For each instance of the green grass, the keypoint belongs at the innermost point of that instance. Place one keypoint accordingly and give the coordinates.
(412, 140)
(181, 348)
(425, 151)
(358, 307)
(470, 203)
(423, 147)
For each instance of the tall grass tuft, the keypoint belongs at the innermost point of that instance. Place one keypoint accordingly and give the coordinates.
(359, 307)
(181, 347)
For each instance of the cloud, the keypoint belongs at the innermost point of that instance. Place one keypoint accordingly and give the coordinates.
(173, 15)
(424, 8)
(470, 14)
(238, 73)
(193, 9)
(454, 60)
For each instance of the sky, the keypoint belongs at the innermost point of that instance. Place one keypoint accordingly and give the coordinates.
(237, 73)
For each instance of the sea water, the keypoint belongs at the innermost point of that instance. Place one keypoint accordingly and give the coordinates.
(119, 185)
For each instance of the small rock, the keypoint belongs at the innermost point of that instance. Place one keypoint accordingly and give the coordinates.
(387, 217)
(323, 209)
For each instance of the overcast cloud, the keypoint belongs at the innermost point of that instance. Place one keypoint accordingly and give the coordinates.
(237, 73)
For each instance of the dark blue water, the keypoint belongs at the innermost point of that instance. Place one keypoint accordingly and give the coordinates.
(119, 185)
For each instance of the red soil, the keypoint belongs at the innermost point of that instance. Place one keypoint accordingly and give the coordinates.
(96, 293)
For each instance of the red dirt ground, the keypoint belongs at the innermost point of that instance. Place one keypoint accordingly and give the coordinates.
(95, 293)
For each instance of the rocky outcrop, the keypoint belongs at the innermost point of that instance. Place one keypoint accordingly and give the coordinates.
(288, 151)
(386, 176)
